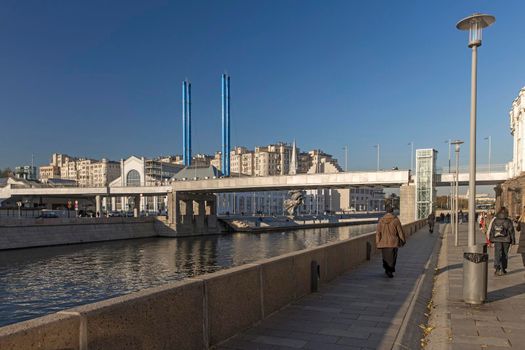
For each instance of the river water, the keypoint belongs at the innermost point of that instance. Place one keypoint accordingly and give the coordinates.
(38, 281)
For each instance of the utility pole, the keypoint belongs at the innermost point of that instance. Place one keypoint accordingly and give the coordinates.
(489, 138)
(378, 150)
(346, 157)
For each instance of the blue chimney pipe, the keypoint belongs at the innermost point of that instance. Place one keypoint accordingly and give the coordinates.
(225, 161)
(186, 123)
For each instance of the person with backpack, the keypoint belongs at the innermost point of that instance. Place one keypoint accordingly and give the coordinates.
(521, 228)
(502, 236)
(389, 237)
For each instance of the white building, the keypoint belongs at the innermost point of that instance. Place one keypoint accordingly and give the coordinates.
(517, 129)
(135, 171)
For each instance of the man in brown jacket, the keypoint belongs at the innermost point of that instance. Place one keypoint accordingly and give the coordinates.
(389, 236)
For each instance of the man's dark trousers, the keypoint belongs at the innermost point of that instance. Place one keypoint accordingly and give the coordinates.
(501, 255)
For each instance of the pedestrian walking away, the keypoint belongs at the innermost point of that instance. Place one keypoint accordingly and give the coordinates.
(431, 220)
(520, 228)
(389, 237)
(488, 224)
(502, 236)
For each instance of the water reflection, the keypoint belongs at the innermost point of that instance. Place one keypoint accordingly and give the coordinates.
(38, 281)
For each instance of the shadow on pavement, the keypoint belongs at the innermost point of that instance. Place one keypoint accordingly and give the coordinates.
(506, 293)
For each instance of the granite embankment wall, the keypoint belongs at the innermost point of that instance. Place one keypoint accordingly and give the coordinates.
(27, 233)
(195, 313)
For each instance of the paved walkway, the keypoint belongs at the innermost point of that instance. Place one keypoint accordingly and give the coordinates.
(362, 309)
(497, 324)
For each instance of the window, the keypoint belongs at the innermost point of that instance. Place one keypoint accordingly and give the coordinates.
(133, 178)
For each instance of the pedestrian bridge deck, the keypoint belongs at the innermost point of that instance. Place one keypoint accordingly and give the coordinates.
(362, 309)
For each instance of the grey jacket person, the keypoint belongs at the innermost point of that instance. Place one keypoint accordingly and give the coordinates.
(502, 220)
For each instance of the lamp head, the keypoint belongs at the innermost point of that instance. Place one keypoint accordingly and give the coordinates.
(457, 144)
(474, 24)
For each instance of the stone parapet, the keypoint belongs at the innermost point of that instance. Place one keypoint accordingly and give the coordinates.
(196, 313)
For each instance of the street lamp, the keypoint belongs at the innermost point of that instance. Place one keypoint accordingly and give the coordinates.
(474, 272)
(378, 148)
(489, 138)
(450, 202)
(474, 24)
(457, 145)
(411, 143)
(346, 157)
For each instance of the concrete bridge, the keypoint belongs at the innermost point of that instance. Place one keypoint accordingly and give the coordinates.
(192, 205)
(482, 178)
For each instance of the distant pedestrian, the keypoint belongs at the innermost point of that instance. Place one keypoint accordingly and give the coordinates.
(442, 217)
(488, 223)
(448, 218)
(389, 237)
(521, 228)
(502, 235)
(460, 216)
(431, 221)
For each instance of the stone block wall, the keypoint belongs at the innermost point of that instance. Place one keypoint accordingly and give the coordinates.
(196, 313)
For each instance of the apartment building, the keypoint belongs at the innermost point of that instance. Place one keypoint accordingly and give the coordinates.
(86, 172)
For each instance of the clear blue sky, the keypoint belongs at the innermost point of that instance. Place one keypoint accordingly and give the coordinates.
(103, 78)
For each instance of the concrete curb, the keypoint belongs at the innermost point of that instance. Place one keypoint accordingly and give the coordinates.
(439, 338)
(410, 334)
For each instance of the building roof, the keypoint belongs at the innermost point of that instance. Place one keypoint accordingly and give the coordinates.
(61, 182)
(193, 172)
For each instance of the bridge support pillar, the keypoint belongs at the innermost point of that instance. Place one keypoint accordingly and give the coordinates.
(174, 217)
(98, 206)
(407, 203)
(136, 206)
(201, 215)
(211, 213)
(192, 213)
(187, 205)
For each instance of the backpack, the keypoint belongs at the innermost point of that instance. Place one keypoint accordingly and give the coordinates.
(500, 230)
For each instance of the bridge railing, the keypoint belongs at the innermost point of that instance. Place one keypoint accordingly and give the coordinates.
(480, 168)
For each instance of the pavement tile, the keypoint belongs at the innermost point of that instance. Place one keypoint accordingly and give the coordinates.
(292, 343)
(323, 346)
(499, 323)
(488, 341)
(239, 344)
(356, 333)
(313, 337)
(360, 309)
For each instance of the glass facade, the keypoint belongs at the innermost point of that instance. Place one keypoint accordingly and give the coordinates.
(133, 178)
(425, 184)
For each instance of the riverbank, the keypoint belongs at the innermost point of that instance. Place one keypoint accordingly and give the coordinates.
(32, 232)
(19, 233)
(200, 312)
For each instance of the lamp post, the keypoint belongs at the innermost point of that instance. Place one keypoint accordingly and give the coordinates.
(346, 157)
(474, 24)
(378, 148)
(474, 269)
(449, 148)
(489, 138)
(411, 143)
(457, 145)
(451, 186)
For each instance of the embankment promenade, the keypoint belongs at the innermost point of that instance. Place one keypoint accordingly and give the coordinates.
(195, 313)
